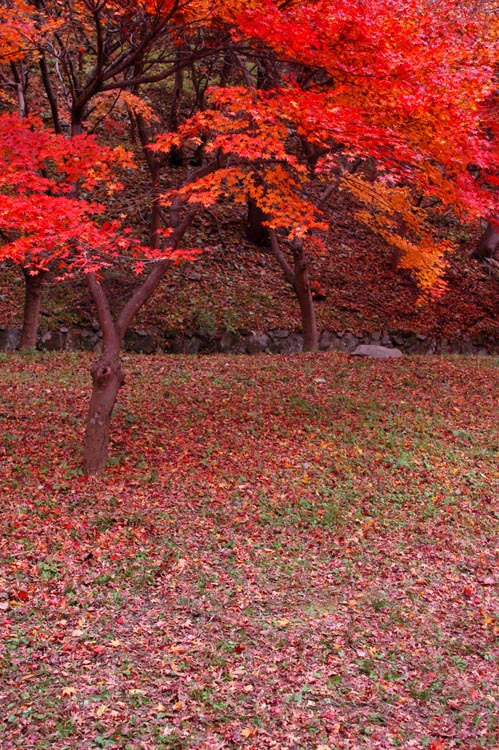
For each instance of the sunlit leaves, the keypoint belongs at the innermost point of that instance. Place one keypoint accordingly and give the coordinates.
(43, 219)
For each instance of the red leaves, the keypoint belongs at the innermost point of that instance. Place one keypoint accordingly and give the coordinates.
(401, 83)
(43, 212)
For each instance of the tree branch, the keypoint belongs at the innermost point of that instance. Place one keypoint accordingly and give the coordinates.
(109, 329)
(279, 255)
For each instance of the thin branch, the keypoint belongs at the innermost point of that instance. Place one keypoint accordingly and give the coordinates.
(289, 274)
(50, 93)
(107, 324)
(146, 289)
(180, 227)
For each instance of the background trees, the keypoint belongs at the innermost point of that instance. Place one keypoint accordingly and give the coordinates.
(274, 105)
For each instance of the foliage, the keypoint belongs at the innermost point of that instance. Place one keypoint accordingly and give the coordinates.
(404, 83)
(42, 220)
(426, 72)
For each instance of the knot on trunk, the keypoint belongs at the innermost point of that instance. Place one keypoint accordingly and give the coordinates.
(105, 372)
(102, 375)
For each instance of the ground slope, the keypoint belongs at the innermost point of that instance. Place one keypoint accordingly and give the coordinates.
(237, 286)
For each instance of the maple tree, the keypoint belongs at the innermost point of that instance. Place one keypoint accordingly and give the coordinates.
(46, 224)
(400, 83)
(417, 78)
(84, 61)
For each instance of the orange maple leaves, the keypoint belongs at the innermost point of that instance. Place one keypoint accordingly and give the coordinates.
(403, 82)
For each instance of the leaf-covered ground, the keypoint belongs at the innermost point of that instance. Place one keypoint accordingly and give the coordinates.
(287, 552)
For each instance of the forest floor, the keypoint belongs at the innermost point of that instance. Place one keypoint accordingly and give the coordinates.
(236, 285)
(285, 553)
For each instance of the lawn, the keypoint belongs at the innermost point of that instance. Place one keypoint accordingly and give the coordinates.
(286, 552)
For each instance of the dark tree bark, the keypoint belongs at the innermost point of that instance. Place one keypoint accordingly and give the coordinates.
(176, 156)
(33, 293)
(304, 294)
(297, 277)
(488, 245)
(255, 231)
(107, 379)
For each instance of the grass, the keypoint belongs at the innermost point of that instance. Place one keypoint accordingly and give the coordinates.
(286, 552)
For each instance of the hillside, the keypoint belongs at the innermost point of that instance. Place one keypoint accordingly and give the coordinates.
(238, 286)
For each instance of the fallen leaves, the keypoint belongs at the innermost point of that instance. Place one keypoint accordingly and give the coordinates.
(361, 600)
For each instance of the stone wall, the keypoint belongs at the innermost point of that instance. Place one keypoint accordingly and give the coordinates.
(277, 341)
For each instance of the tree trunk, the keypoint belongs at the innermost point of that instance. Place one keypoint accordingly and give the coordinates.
(155, 206)
(255, 231)
(297, 277)
(488, 245)
(304, 294)
(107, 379)
(32, 306)
(176, 155)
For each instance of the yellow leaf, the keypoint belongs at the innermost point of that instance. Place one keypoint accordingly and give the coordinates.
(68, 691)
(115, 643)
(101, 710)
(283, 623)
(248, 732)
(178, 705)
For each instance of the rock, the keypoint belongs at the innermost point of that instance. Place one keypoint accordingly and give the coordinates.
(230, 342)
(329, 341)
(10, 337)
(400, 338)
(186, 345)
(140, 342)
(52, 341)
(290, 343)
(377, 352)
(83, 339)
(279, 333)
(348, 342)
(257, 342)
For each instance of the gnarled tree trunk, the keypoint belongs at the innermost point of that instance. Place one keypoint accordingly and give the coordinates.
(304, 294)
(107, 379)
(298, 278)
(488, 245)
(107, 375)
(34, 284)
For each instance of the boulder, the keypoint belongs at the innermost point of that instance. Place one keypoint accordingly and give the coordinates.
(257, 342)
(140, 341)
(348, 342)
(377, 352)
(284, 342)
(10, 337)
(329, 341)
(230, 342)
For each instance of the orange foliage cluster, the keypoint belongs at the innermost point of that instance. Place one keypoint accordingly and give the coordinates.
(405, 83)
